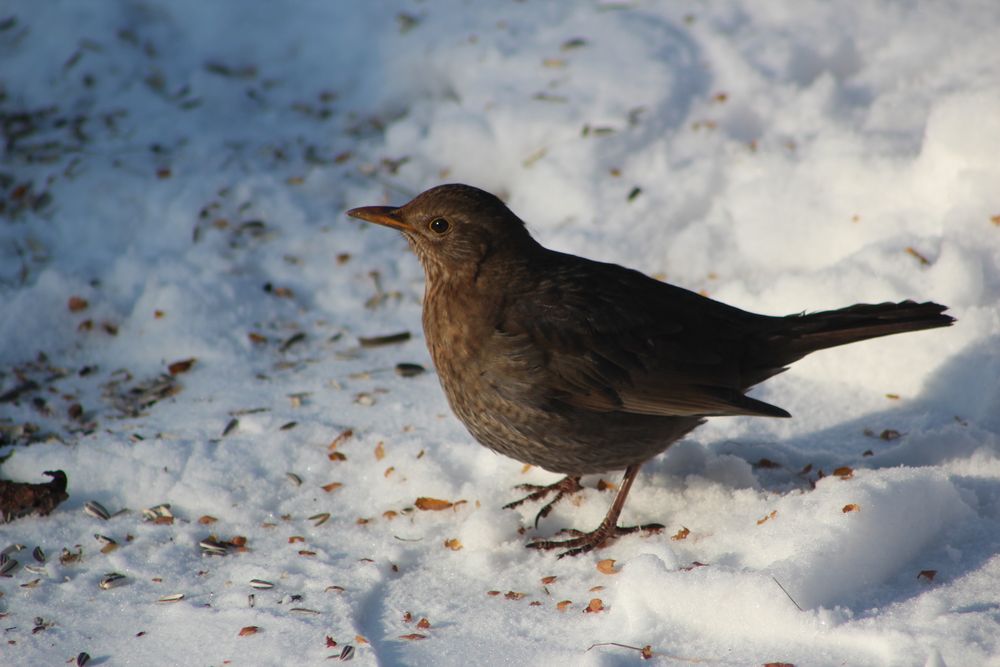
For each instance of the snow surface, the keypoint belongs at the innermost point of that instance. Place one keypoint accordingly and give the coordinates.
(195, 163)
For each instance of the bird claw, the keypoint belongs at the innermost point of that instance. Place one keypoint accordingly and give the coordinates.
(582, 543)
(564, 487)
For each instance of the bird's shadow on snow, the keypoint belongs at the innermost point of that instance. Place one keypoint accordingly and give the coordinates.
(954, 421)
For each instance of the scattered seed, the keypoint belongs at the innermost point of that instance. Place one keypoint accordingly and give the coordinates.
(261, 584)
(304, 611)
(231, 426)
(249, 630)
(111, 580)
(289, 426)
(389, 339)
(7, 565)
(319, 519)
(251, 600)
(176, 597)
(347, 653)
(82, 659)
(36, 569)
(96, 509)
(161, 511)
(38, 554)
(407, 370)
(292, 340)
(210, 546)
(13, 548)
(293, 478)
(365, 399)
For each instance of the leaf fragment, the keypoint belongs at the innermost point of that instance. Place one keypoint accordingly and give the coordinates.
(607, 566)
(433, 504)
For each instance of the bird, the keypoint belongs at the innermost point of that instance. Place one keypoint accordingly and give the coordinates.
(581, 367)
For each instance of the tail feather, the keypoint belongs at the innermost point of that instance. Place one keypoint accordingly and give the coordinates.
(795, 336)
(817, 331)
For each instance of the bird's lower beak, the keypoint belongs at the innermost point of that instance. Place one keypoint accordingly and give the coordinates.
(381, 215)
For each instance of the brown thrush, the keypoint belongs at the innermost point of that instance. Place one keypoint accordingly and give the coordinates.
(582, 367)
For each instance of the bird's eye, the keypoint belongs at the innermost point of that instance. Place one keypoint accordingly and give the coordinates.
(439, 225)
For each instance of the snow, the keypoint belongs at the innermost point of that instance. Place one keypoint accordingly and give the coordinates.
(779, 156)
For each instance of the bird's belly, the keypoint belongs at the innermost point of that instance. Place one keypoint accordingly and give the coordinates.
(563, 440)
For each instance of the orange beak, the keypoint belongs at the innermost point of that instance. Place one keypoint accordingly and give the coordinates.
(381, 215)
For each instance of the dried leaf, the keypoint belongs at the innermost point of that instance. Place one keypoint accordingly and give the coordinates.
(493, 593)
(432, 504)
(295, 539)
(76, 304)
(767, 517)
(549, 579)
(249, 630)
(207, 520)
(512, 595)
(380, 451)
(890, 434)
(607, 566)
(361, 640)
(182, 366)
(423, 624)
(413, 636)
(913, 252)
(332, 486)
(927, 575)
(595, 606)
(680, 534)
(843, 472)
(850, 507)
(454, 544)
(343, 437)
(563, 604)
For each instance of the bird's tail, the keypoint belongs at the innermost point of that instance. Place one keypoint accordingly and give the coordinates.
(795, 336)
(817, 331)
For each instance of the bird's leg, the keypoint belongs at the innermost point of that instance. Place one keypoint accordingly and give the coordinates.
(606, 532)
(566, 486)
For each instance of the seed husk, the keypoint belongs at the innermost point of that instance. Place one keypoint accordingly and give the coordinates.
(261, 584)
(176, 597)
(389, 339)
(111, 580)
(7, 565)
(96, 509)
(407, 370)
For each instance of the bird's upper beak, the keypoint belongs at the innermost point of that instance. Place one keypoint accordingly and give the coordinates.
(382, 215)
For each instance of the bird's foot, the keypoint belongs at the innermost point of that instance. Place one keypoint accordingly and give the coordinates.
(582, 542)
(564, 487)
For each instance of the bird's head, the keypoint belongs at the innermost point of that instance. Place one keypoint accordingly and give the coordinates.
(453, 228)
